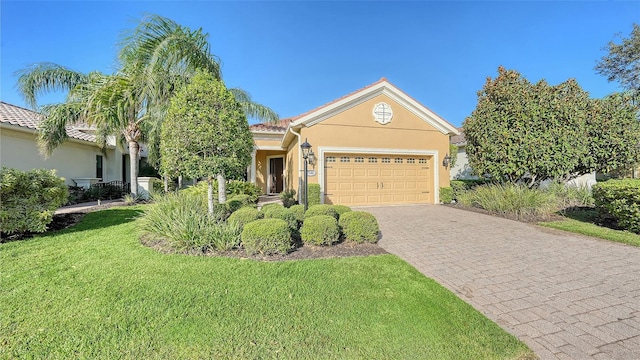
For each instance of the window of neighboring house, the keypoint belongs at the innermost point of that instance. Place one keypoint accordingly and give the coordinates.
(99, 166)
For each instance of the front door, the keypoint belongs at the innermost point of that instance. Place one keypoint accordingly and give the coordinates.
(276, 168)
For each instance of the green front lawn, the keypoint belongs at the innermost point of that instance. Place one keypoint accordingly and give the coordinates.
(93, 291)
(584, 222)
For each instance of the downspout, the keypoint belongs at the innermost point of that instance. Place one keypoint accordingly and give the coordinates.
(297, 134)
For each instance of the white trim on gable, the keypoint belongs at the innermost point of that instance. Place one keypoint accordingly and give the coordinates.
(382, 88)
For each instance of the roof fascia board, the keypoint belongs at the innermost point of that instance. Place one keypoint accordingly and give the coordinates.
(29, 130)
(382, 88)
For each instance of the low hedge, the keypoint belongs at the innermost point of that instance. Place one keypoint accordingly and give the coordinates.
(341, 209)
(282, 213)
(298, 211)
(359, 227)
(28, 199)
(320, 230)
(267, 236)
(314, 194)
(244, 215)
(446, 195)
(266, 209)
(321, 209)
(619, 199)
(237, 201)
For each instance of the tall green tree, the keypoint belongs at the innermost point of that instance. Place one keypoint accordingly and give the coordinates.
(527, 132)
(206, 133)
(155, 59)
(524, 132)
(622, 63)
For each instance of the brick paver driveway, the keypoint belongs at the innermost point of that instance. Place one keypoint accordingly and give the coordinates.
(566, 296)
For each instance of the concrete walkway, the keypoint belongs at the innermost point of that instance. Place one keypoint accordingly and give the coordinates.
(566, 296)
(88, 206)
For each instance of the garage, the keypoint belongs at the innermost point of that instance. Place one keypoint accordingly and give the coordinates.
(377, 179)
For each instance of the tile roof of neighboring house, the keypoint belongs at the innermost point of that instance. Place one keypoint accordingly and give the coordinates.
(16, 115)
(282, 126)
(278, 127)
(459, 139)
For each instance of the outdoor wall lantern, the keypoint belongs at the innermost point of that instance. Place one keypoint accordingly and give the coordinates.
(307, 155)
(446, 161)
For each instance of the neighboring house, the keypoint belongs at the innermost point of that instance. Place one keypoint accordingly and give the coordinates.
(462, 170)
(374, 146)
(79, 160)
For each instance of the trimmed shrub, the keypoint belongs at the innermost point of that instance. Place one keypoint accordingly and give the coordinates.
(359, 227)
(341, 209)
(446, 195)
(183, 221)
(267, 236)
(320, 230)
(288, 198)
(282, 213)
(314, 194)
(29, 199)
(621, 200)
(268, 208)
(321, 209)
(237, 201)
(510, 200)
(244, 215)
(298, 211)
(460, 186)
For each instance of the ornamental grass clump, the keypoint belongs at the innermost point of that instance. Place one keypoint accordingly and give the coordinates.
(267, 236)
(513, 201)
(321, 209)
(243, 216)
(183, 221)
(320, 230)
(359, 227)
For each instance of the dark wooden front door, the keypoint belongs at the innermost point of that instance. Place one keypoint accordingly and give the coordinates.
(276, 168)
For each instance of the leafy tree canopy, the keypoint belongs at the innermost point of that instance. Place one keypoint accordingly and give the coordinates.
(524, 132)
(206, 132)
(622, 63)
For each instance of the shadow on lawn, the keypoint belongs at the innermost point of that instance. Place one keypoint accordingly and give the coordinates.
(76, 222)
(590, 215)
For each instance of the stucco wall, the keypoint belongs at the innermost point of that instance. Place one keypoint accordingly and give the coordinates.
(18, 150)
(262, 166)
(462, 170)
(356, 128)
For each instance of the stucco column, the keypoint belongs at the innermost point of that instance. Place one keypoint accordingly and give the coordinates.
(252, 177)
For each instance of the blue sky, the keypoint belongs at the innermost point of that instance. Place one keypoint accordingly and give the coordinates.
(295, 56)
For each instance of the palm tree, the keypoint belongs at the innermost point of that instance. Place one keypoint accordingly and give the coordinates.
(155, 59)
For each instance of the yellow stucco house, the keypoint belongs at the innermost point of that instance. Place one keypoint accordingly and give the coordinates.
(374, 146)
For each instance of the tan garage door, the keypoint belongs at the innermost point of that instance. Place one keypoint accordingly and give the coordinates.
(365, 179)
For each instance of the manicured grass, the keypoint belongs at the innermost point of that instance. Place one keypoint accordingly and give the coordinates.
(583, 222)
(93, 291)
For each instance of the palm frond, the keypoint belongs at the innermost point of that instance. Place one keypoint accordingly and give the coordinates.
(42, 78)
(52, 127)
(252, 109)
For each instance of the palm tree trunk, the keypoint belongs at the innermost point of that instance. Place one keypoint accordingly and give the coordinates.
(210, 194)
(134, 148)
(222, 188)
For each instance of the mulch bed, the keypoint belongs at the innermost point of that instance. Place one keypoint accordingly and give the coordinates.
(301, 252)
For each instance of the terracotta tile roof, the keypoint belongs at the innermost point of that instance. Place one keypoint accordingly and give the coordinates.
(282, 126)
(458, 139)
(16, 115)
(279, 127)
